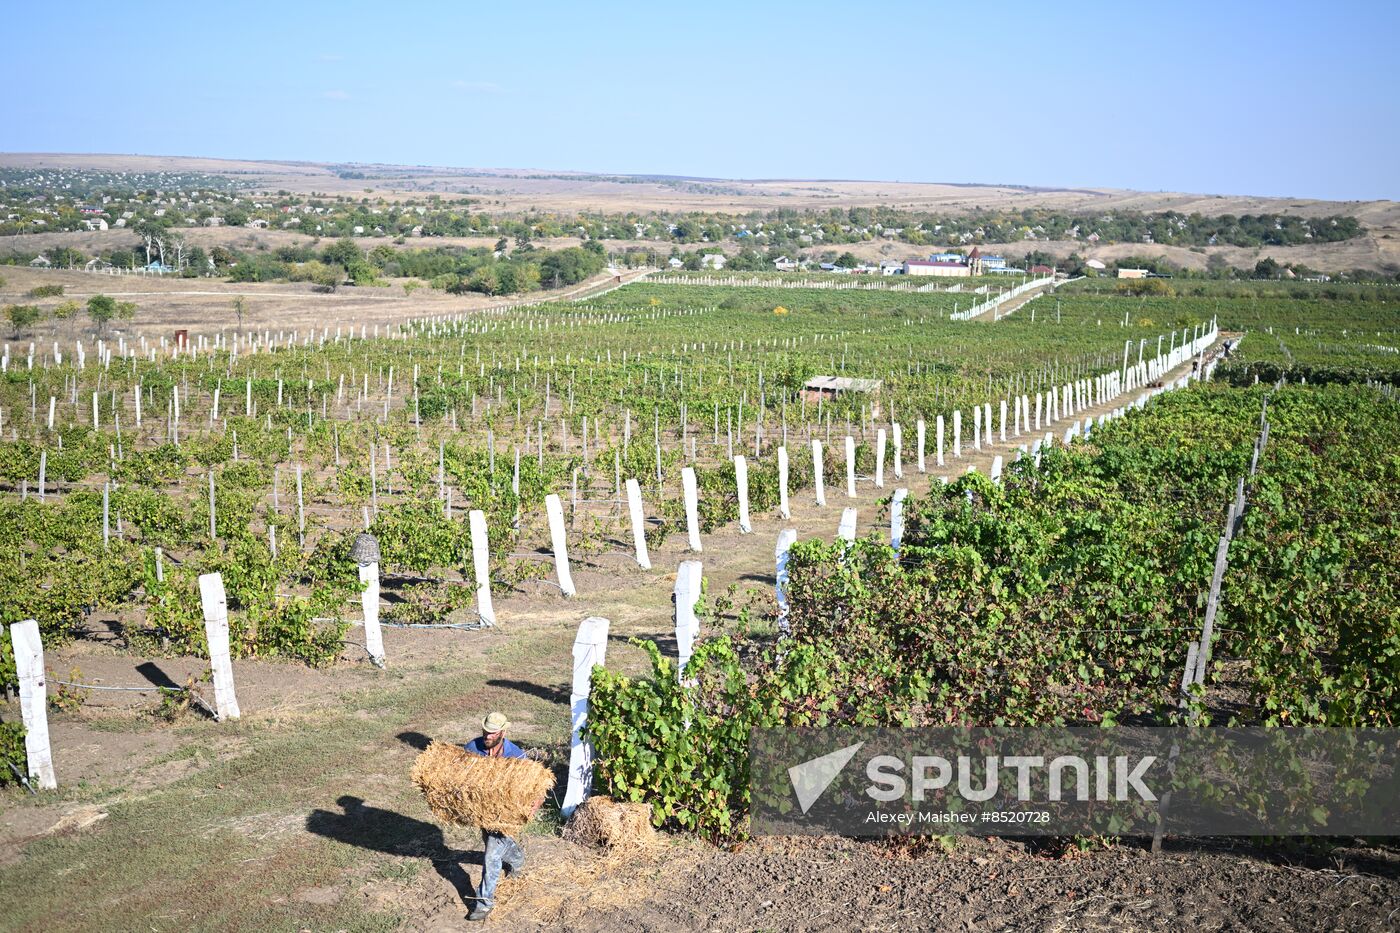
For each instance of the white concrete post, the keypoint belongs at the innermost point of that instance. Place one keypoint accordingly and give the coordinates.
(957, 433)
(481, 566)
(897, 439)
(692, 507)
(741, 484)
(939, 427)
(786, 538)
(33, 700)
(211, 596)
(686, 595)
(639, 532)
(818, 468)
(880, 458)
(996, 469)
(554, 509)
(850, 467)
(301, 512)
(1003, 419)
(920, 431)
(846, 531)
(369, 603)
(590, 650)
(783, 509)
(897, 518)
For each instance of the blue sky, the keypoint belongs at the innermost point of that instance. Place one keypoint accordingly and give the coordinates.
(1226, 97)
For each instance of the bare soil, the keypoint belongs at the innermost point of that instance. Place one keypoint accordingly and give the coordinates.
(165, 304)
(992, 884)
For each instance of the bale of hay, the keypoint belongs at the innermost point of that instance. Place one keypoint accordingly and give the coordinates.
(604, 823)
(463, 789)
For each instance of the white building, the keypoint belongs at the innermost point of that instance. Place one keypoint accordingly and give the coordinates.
(926, 267)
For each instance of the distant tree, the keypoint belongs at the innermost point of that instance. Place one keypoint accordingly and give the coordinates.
(411, 286)
(152, 233)
(1266, 268)
(22, 317)
(483, 280)
(64, 257)
(1217, 266)
(363, 273)
(502, 245)
(344, 252)
(847, 261)
(239, 306)
(326, 278)
(382, 255)
(1072, 266)
(175, 242)
(101, 308)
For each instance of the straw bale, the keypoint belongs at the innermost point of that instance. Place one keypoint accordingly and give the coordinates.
(605, 823)
(473, 790)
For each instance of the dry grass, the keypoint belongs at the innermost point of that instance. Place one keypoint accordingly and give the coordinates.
(463, 789)
(570, 883)
(513, 190)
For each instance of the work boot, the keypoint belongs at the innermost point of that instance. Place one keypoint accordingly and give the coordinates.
(480, 911)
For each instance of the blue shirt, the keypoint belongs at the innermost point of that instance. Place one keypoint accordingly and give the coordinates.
(509, 749)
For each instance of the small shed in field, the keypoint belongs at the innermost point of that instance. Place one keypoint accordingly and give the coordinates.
(817, 388)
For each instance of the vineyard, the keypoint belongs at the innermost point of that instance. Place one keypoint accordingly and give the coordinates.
(1056, 559)
(1066, 594)
(115, 456)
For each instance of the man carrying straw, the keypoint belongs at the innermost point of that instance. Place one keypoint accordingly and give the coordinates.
(501, 851)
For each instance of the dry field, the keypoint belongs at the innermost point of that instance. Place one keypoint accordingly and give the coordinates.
(205, 306)
(520, 189)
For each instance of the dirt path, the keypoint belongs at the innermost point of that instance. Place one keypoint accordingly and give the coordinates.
(301, 815)
(996, 314)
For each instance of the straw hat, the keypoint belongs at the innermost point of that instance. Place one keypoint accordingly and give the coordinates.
(494, 722)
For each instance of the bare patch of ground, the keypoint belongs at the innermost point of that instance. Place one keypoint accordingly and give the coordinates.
(205, 306)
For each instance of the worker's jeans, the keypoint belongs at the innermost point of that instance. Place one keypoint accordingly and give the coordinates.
(500, 850)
